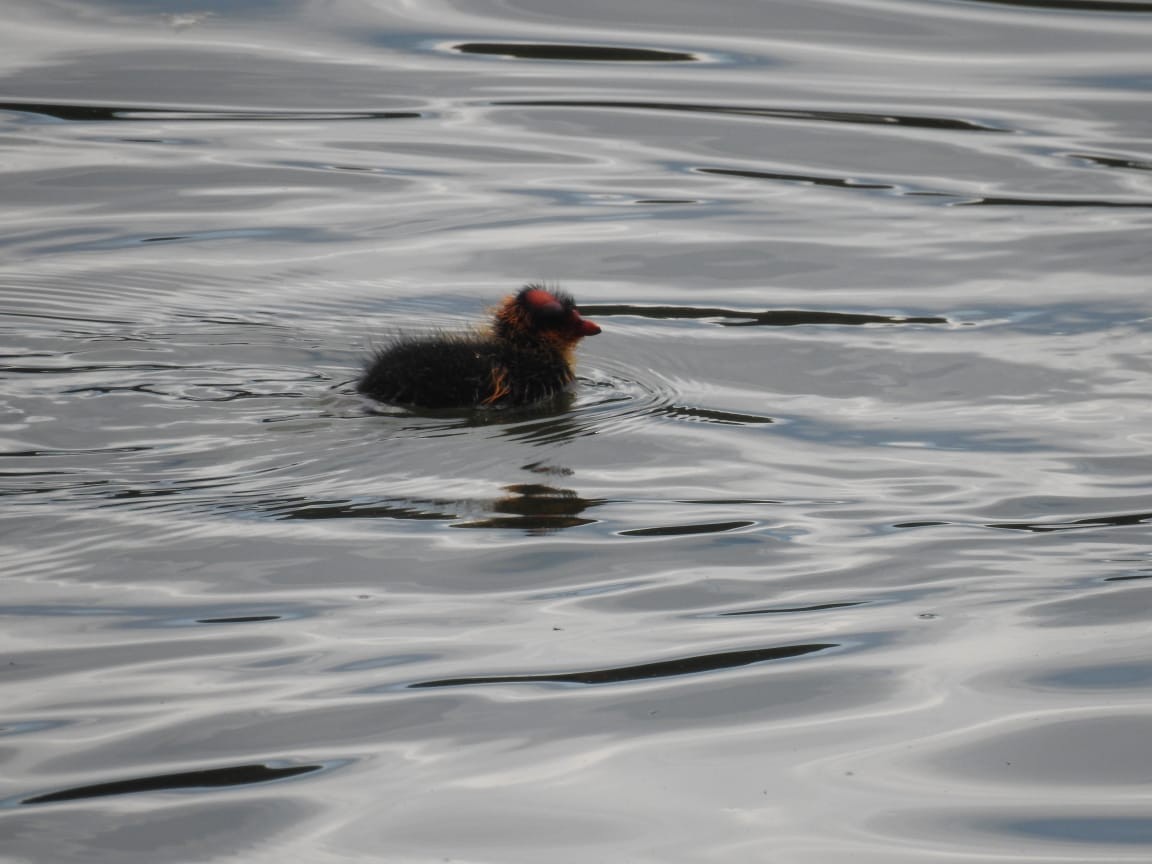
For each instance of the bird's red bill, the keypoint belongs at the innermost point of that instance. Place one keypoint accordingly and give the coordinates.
(585, 327)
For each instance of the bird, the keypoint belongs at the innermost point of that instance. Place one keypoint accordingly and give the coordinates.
(524, 356)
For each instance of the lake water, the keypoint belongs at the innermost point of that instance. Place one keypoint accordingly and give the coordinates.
(838, 553)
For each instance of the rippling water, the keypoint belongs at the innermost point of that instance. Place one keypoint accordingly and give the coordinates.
(838, 552)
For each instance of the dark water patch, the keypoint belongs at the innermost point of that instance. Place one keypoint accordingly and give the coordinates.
(100, 367)
(219, 615)
(645, 671)
(735, 502)
(860, 117)
(544, 468)
(788, 610)
(214, 778)
(111, 493)
(239, 619)
(585, 53)
(838, 182)
(1050, 202)
(529, 524)
(1112, 161)
(709, 415)
(1069, 5)
(105, 113)
(1117, 521)
(925, 524)
(684, 530)
(1129, 578)
(750, 318)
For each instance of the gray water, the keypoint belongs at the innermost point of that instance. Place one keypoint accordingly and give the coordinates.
(839, 552)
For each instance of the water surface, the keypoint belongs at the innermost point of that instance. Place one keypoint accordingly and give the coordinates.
(837, 553)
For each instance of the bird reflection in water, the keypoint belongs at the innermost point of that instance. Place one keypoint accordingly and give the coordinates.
(535, 508)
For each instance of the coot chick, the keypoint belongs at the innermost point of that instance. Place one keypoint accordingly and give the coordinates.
(525, 357)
